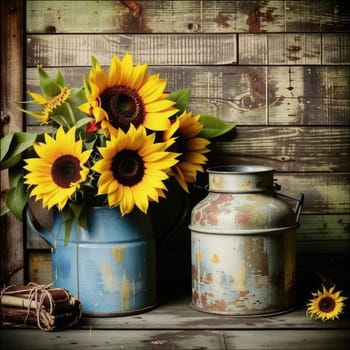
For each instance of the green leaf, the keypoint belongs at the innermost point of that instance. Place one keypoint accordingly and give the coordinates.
(181, 97)
(67, 230)
(67, 216)
(16, 174)
(4, 210)
(94, 62)
(12, 161)
(61, 120)
(48, 86)
(16, 200)
(20, 142)
(60, 79)
(5, 143)
(214, 127)
(83, 121)
(80, 213)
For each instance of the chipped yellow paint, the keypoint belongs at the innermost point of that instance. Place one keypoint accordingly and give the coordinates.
(125, 294)
(241, 277)
(217, 182)
(246, 185)
(118, 254)
(199, 256)
(108, 277)
(215, 259)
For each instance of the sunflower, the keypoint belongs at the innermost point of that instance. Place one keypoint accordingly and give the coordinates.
(59, 170)
(48, 104)
(133, 168)
(185, 130)
(127, 95)
(326, 305)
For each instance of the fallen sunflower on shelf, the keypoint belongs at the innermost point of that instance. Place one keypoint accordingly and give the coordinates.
(115, 141)
(325, 305)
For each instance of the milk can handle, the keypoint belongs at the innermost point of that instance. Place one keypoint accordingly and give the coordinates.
(298, 206)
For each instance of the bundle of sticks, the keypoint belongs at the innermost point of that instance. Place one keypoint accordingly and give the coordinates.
(39, 305)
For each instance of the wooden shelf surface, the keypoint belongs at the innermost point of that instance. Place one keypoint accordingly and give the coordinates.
(173, 324)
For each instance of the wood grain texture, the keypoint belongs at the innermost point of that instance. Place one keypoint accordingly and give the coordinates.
(290, 149)
(272, 95)
(196, 16)
(12, 17)
(76, 50)
(201, 49)
(178, 339)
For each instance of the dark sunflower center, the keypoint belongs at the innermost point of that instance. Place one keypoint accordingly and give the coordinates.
(66, 170)
(124, 106)
(128, 168)
(326, 304)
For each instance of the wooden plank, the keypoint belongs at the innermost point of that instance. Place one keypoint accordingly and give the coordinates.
(177, 314)
(12, 15)
(179, 339)
(324, 227)
(167, 16)
(303, 16)
(306, 339)
(335, 16)
(317, 16)
(76, 50)
(253, 49)
(156, 17)
(39, 267)
(324, 192)
(293, 49)
(335, 48)
(309, 95)
(287, 149)
(201, 49)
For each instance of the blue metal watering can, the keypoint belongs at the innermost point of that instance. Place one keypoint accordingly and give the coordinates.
(111, 267)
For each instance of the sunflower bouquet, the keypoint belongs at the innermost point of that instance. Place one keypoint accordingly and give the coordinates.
(114, 141)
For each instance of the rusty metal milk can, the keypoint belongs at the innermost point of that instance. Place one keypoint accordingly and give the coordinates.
(243, 244)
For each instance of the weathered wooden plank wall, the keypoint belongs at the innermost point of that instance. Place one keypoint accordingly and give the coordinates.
(11, 242)
(280, 69)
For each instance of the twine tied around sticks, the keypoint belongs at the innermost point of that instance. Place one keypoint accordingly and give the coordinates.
(36, 297)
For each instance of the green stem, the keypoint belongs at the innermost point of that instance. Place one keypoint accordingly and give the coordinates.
(71, 114)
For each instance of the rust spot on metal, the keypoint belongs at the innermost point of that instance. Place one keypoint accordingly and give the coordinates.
(203, 298)
(212, 219)
(207, 278)
(217, 305)
(242, 218)
(243, 293)
(195, 297)
(197, 216)
(208, 215)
